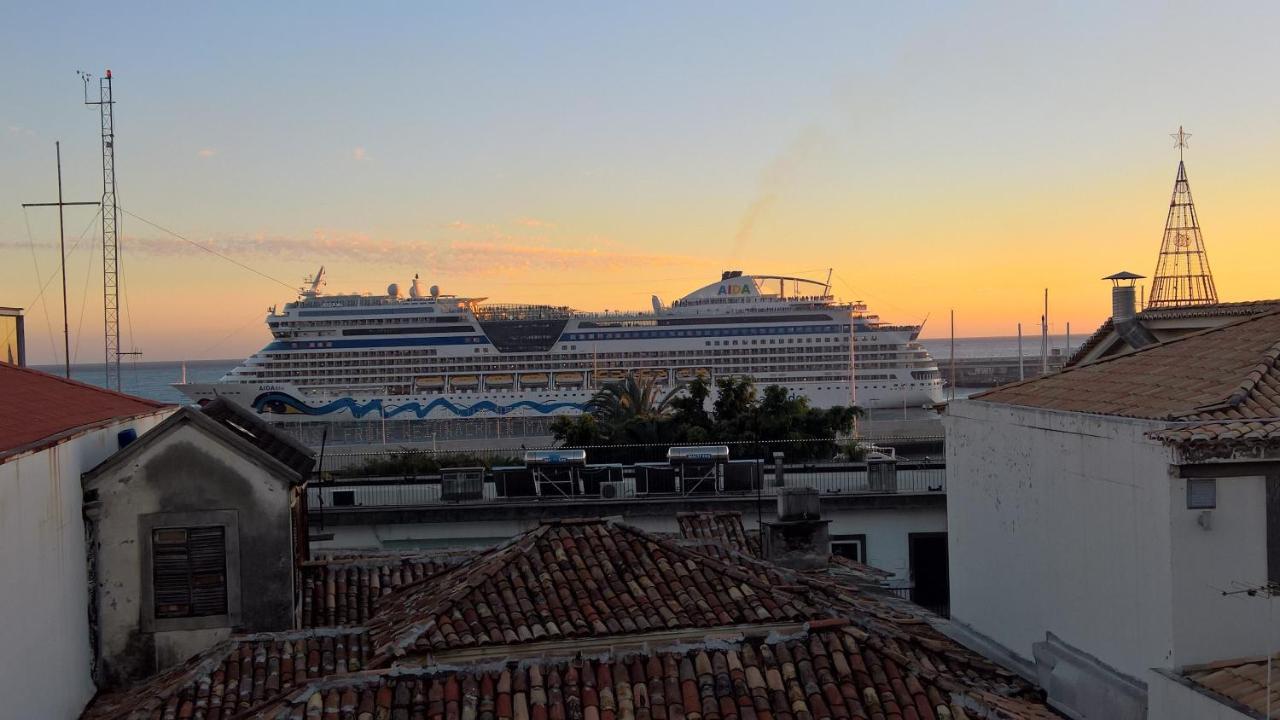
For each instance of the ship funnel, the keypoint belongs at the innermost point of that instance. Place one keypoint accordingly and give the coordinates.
(415, 290)
(1124, 304)
(657, 303)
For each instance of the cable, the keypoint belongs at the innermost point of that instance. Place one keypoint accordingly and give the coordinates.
(43, 305)
(209, 250)
(40, 295)
(84, 301)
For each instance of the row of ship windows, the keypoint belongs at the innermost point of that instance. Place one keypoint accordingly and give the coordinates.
(617, 362)
(377, 375)
(353, 357)
(709, 332)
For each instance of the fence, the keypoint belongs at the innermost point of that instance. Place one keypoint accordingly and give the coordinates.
(738, 478)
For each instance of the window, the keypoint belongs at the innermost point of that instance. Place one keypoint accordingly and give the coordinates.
(189, 571)
(1202, 493)
(853, 547)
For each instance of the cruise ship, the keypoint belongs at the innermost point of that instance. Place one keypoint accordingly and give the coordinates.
(423, 355)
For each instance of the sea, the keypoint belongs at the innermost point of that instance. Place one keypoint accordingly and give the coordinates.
(154, 380)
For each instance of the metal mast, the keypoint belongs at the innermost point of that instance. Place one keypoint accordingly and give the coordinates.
(110, 228)
(1182, 273)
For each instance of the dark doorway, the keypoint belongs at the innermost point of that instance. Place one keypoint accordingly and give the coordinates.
(931, 585)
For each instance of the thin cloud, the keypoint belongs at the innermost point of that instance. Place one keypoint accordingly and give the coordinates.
(358, 153)
(495, 255)
(20, 130)
(206, 152)
(532, 222)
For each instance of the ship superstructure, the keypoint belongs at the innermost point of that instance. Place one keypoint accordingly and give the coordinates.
(426, 355)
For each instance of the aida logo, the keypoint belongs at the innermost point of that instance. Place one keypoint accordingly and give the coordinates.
(743, 289)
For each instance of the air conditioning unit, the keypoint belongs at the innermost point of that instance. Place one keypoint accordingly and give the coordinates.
(617, 489)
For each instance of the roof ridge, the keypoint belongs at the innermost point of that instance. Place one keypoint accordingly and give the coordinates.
(1134, 353)
(482, 567)
(1269, 361)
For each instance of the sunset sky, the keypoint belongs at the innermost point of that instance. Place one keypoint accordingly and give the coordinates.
(953, 156)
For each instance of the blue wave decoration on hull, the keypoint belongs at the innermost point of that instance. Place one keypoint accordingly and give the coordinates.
(284, 404)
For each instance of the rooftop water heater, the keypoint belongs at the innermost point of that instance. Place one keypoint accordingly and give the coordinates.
(556, 472)
(700, 468)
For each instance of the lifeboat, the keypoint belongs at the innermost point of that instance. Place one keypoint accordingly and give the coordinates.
(464, 382)
(569, 378)
(428, 382)
(653, 374)
(498, 381)
(610, 375)
(687, 374)
(534, 380)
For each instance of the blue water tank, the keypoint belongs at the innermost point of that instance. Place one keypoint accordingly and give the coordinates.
(126, 436)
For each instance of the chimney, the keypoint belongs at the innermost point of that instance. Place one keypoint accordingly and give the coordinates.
(799, 538)
(1124, 299)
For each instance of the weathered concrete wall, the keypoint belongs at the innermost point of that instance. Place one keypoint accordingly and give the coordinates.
(44, 600)
(187, 471)
(1059, 522)
(1169, 699)
(886, 529)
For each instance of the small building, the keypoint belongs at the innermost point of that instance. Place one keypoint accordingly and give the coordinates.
(197, 530)
(13, 337)
(1116, 526)
(51, 431)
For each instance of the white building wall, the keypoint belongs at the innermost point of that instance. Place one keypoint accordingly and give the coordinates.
(1231, 554)
(44, 598)
(1169, 699)
(1059, 522)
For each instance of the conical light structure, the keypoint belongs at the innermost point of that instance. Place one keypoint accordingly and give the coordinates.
(1182, 272)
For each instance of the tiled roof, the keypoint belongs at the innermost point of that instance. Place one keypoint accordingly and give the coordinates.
(577, 579)
(37, 409)
(1239, 681)
(827, 673)
(719, 527)
(745, 640)
(1217, 310)
(248, 427)
(1220, 387)
(236, 676)
(344, 591)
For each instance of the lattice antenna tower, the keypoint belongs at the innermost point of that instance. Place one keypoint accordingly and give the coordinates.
(1182, 272)
(110, 227)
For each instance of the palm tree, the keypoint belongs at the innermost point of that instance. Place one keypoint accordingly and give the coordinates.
(628, 403)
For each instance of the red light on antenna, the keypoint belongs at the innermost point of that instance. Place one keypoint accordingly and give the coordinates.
(108, 74)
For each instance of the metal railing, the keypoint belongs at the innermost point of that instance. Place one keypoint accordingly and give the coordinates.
(743, 478)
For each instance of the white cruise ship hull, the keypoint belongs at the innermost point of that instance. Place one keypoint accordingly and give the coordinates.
(357, 357)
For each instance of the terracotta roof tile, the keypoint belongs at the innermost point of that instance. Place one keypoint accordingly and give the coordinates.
(1240, 681)
(345, 591)
(826, 674)
(857, 654)
(39, 408)
(237, 675)
(1219, 387)
(724, 528)
(577, 579)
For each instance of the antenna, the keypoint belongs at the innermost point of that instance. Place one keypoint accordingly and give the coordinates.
(110, 226)
(1182, 272)
(62, 255)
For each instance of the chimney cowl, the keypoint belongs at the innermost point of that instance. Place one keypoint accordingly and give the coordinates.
(1124, 305)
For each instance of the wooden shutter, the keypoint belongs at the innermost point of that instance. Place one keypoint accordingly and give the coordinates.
(189, 571)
